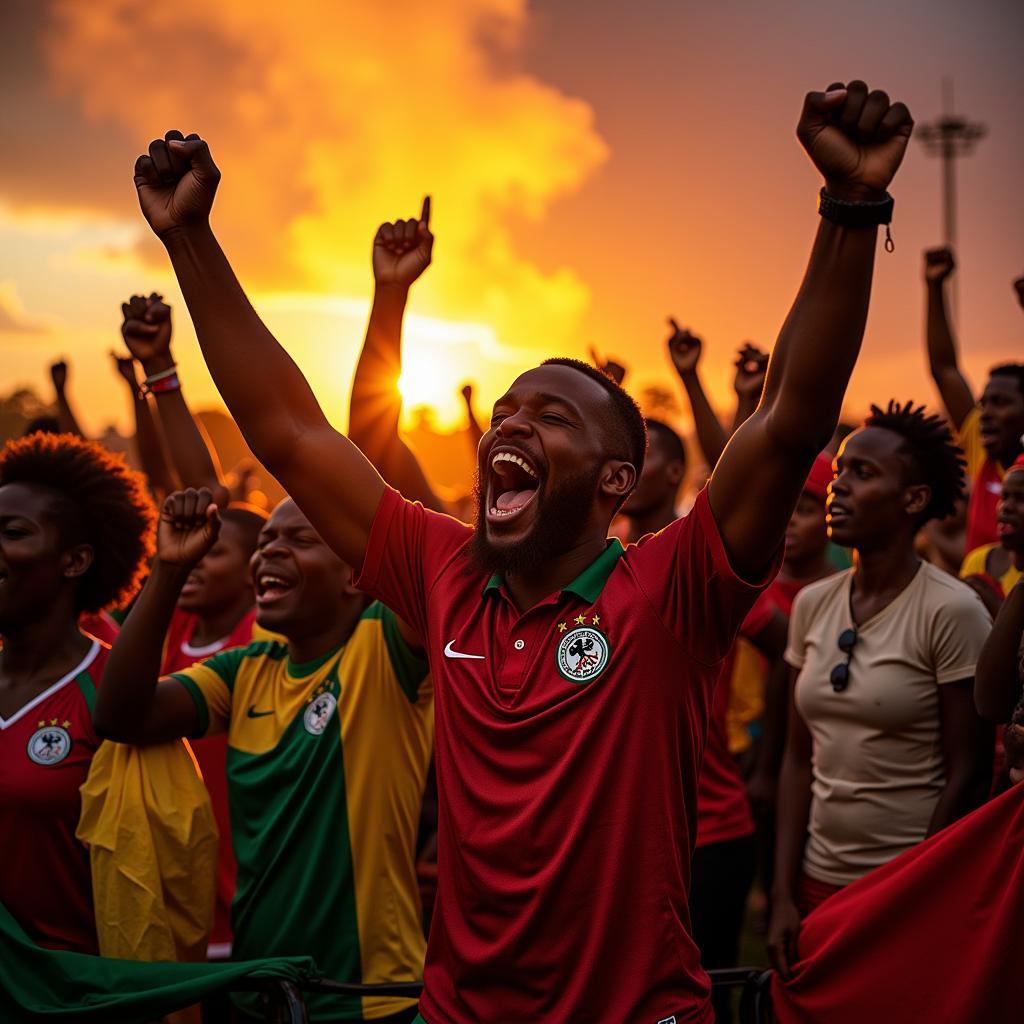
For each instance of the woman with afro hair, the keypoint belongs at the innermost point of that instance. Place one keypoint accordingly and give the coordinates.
(76, 533)
(884, 747)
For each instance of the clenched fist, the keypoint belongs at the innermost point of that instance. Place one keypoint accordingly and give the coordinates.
(938, 264)
(176, 182)
(189, 526)
(147, 331)
(751, 367)
(684, 348)
(402, 250)
(856, 138)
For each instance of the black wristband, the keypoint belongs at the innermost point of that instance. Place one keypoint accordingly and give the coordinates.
(858, 215)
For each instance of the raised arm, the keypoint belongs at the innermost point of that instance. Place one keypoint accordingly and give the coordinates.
(473, 429)
(264, 390)
(997, 682)
(401, 252)
(943, 362)
(857, 141)
(148, 442)
(684, 350)
(65, 415)
(147, 333)
(133, 704)
(790, 837)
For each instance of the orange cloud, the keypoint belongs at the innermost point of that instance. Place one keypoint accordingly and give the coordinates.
(14, 319)
(328, 118)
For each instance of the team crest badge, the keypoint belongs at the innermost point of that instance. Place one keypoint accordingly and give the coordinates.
(49, 744)
(582, 654)
(319, 712)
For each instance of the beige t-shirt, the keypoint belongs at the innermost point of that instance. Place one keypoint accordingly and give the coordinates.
(877, 759)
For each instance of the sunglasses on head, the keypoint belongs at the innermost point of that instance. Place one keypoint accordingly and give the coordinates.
(839, 677)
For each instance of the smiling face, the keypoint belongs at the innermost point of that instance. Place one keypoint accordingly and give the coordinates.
(545, 472)
(871, 499)
(1002, 417)
(302, 587)
(1010, 513)
(36, 570)
(222, 579)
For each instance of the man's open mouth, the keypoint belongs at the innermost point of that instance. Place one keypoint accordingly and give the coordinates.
(192, 584)
(512, 485)
(272, 586)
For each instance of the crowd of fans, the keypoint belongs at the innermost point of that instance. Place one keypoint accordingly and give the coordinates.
(664, 707)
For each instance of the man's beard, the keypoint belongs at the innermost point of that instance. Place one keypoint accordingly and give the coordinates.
(559, 519)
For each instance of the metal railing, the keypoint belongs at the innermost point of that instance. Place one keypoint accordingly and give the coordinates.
(284, 1003)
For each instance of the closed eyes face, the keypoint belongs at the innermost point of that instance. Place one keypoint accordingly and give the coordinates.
(542, 430)
(295, 574)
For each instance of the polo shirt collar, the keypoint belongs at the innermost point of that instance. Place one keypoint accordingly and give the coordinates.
(589, 584)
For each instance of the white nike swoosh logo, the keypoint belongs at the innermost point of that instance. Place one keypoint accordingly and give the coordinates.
(450, 653)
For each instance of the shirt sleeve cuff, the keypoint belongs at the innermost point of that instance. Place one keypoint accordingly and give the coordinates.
(377, 542)
(720, 558)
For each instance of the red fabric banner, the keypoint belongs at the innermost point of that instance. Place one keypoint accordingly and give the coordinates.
(935, 935)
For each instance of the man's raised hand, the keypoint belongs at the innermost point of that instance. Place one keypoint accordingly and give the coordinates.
(402, 249)
(938, 264)
(684, 348)
(856, 138)
(59, 375)
(176, 182)
(188, 528)
(751, 366)
(147, 330)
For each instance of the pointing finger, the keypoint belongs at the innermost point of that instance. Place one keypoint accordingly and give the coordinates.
(425, 212)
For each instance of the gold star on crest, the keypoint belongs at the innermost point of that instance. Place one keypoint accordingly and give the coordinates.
(580, 620)
(66, 724)
(41, 723)
(53, 721)
(596, 619)
(562, 627)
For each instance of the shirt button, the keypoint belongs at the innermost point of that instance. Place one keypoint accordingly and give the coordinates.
(520, 644)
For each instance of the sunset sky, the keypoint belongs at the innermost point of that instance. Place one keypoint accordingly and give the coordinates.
(594, 166)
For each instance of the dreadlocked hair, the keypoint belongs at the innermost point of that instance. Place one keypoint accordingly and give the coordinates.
(930, 444)
(98, 501)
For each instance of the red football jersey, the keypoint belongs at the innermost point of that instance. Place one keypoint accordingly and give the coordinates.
(46, 749)
(211, 753)
(723, 809)
(569, 740)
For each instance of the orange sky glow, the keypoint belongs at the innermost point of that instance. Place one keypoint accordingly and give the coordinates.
(594, 168)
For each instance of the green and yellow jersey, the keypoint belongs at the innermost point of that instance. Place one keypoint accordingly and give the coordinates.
(326, 767)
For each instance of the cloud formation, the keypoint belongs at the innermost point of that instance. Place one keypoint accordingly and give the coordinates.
(13, 318)
(329, 118)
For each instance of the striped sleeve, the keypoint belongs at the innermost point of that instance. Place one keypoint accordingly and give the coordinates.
(410, 667)
(210, 684)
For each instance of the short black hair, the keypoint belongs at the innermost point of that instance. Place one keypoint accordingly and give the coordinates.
(249, 519)
(42, 425)
(930, 444)
(671, 443)
(99, 501)
(1014, 370)
(625, 431)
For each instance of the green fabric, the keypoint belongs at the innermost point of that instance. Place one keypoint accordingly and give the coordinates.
(202, 708)
(88, 690)
(39, 984)
(841, 558)
(410, 667)
(591, 581)
(295, 886)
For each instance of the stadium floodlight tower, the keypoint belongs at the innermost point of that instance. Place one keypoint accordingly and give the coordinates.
(949, 137)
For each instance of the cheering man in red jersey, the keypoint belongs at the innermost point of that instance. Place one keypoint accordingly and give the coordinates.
(573, 677)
